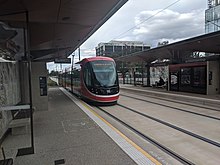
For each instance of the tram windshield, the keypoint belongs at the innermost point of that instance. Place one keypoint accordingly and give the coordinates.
(105, 73)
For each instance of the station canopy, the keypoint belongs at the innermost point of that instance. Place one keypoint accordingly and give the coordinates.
(209, 43)
(56, 27)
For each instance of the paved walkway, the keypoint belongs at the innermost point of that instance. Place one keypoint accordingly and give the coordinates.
(66, 134)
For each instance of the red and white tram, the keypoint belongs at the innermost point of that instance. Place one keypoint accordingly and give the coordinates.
(95, 81)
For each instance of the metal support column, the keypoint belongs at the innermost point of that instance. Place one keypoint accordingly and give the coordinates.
(123, 73)
(148, 75)
(79, 53)
(29, 150)
(142, 73)
(71, 76)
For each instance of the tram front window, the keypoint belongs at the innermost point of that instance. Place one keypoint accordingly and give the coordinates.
(105, 73)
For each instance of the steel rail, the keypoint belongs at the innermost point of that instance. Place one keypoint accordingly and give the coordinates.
(174, 127)
(154, 142)
(168, 106)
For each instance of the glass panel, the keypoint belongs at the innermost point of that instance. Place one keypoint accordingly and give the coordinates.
(185, 76)
(76, 78)
(105, 73)
(199, 78)
(87, 76)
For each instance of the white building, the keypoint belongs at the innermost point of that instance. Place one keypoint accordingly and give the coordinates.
(120, 48)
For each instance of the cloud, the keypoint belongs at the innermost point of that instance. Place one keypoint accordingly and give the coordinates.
(153, 26)
(183, 20)
(88, 52)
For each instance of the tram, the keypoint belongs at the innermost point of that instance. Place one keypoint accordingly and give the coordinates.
(95, 81)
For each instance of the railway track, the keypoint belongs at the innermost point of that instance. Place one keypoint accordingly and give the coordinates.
(173, 100)
(149, 139)
(174, 127)
(179, 109)
(195, 136)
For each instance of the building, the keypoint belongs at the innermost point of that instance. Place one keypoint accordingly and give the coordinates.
(212, 16)
(120, 48)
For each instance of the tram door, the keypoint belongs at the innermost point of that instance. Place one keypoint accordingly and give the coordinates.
(174, 80)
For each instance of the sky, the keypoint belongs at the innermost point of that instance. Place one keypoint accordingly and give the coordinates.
(150, 22)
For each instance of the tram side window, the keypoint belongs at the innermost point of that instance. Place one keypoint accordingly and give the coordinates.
(87, 76)
(76, 77)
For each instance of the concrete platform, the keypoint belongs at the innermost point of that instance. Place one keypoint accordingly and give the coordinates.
(70, 132)
(66, 135)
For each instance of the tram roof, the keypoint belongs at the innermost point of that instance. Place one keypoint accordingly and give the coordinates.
(57, 27)
(95, 59)
(209, 43)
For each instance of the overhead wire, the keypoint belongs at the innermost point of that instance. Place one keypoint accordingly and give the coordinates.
(147, 19)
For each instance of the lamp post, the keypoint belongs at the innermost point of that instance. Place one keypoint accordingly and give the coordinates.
(79, 53)
(72, 71)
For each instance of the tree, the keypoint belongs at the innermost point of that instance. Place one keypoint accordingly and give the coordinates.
(53, 73)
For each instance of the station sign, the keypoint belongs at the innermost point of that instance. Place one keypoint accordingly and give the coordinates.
(62, 60)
